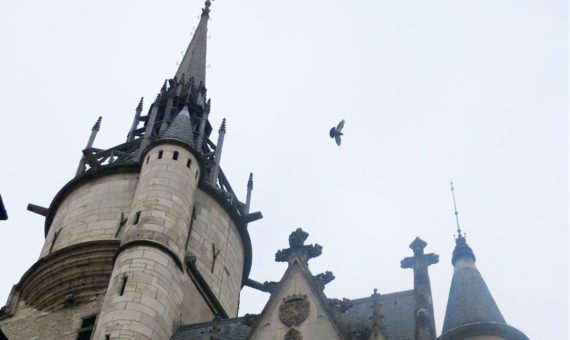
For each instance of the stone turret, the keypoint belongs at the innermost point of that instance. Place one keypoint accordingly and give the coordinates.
(471, 310)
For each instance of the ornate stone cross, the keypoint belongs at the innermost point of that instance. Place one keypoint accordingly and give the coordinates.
(425, 323)
(298, 249)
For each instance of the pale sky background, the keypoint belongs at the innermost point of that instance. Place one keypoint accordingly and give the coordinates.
(474, 91)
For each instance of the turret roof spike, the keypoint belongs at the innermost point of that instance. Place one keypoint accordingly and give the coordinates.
(193, 64)
(471, 308)
(181, 128)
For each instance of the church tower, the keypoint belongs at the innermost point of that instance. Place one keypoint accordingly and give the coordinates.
(149, 234)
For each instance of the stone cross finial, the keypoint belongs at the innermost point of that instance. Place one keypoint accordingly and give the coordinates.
(297, 248)
(425, 323)
(419, 259)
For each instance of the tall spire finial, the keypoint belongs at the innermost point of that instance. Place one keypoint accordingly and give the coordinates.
(456, 213)
(193, 64)
(223, 126)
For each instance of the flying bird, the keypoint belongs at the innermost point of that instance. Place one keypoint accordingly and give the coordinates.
(336, 132)
(3, 214)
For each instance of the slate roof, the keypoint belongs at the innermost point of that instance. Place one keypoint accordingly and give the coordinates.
(228, 329)
(470, 301)
(397, 310)
(181, 128)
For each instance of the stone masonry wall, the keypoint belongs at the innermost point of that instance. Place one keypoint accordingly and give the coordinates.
(213, 226)
(146, 290)
(164, 199)
(149, 307)
(31, 324)
(91, 212)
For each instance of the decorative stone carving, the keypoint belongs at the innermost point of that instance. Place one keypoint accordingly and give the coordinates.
(293, 334)
(250, 319)
(323, 278)
(297, 248)
(268, 286)
(294, 309)
(340, 306)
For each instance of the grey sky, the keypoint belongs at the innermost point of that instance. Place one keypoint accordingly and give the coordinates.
(474, 91)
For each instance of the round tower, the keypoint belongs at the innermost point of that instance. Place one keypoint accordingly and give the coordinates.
(146, 288)
(149, 235)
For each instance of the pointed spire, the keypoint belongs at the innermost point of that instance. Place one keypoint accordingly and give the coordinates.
(136, 120)
(249, 190)
(94, 131)
(181, 128)
(471, 309)
(97, 124)
(90, 142)
(193, 63)
(218, 153)
(470, 300)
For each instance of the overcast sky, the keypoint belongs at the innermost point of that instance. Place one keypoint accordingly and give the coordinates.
(474, 91)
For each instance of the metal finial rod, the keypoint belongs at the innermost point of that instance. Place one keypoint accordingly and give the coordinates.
(455, 208)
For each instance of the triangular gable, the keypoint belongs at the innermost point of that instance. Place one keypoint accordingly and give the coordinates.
(297, 307)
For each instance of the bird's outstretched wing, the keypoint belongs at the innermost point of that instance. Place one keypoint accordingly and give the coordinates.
(337, 139)
(340, 126)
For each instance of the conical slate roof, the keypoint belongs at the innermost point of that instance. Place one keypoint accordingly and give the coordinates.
(194, 62)
(470, 301)
(181, 129)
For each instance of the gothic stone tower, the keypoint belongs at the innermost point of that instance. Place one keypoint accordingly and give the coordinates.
(148, 235)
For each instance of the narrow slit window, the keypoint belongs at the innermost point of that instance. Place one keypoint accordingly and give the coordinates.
(196, 174)
(147, 159)
(160, 154)
(87, 324)
(123, 285)
(137, 217)
(175, 155)
(192, 218)
(188, 163)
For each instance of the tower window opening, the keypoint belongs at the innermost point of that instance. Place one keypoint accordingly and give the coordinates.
(196, 174)
(175, 155)
(137, 217)
(188, 163)
(160, 154)
(123, 285)
(87, 324)
(147, 159)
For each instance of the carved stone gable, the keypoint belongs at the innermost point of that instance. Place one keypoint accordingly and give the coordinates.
(294, 309)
